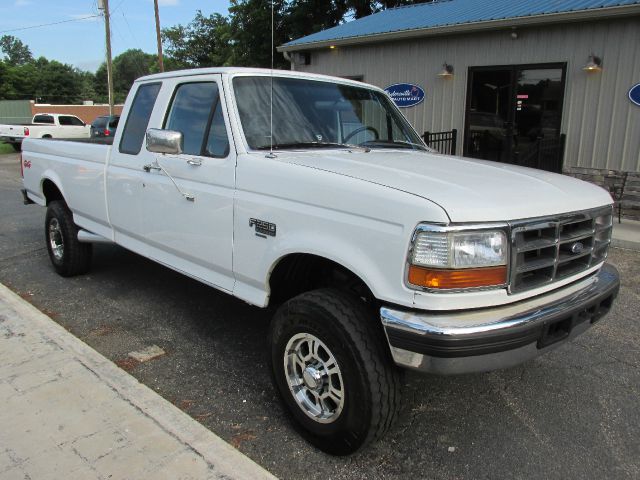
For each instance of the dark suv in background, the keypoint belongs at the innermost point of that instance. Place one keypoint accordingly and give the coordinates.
(104, 126)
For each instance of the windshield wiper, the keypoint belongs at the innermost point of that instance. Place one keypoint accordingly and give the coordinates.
(294, 145)
(394, 144)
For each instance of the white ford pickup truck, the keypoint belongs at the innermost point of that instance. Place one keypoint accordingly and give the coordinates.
(314, 195)
(44, 125)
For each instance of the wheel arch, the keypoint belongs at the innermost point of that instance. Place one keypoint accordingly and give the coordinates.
(294, 273)
(51, 190)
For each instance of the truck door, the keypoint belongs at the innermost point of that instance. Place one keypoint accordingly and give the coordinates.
(186, 200)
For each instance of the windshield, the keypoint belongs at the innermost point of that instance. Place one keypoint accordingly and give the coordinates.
(316, 114)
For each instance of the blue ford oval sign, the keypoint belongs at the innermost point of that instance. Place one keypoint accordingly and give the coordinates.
(405, 94)
(634, 94)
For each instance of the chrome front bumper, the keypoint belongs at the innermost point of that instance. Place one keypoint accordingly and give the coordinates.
(486, 339)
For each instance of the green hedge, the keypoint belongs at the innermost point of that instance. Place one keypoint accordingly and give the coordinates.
(6, 148)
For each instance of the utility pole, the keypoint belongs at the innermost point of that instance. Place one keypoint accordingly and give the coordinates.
(160, 60)
(104, 5)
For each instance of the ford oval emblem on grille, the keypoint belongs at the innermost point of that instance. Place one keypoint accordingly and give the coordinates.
(577, 247)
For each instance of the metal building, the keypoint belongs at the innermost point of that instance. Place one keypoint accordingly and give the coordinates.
(542, 83)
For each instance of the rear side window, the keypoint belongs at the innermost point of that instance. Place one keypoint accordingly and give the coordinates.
(70, 121)
(43, 119)
(138, 119)
(196, 112)
(114, 122)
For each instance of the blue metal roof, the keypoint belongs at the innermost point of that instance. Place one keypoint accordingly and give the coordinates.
(444, 13)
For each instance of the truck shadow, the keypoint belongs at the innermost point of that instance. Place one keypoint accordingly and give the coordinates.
(566, 415)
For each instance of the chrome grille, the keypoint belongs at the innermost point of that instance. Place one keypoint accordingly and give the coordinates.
(548, 249)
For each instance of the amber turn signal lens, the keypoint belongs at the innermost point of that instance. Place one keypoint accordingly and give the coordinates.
(462, 278)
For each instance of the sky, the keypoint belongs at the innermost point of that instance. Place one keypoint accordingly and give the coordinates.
(81, 42)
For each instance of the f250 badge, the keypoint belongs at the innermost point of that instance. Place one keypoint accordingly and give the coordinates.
(263, 228)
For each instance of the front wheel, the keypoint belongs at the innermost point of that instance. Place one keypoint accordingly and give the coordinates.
(333, 370)
(68, 256)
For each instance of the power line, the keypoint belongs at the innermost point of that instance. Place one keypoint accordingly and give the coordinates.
(141, 69)
(117, 7)
(50, 24)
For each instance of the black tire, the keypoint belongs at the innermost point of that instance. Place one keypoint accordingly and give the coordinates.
(71, 257)
(17, 147)
(370, 381)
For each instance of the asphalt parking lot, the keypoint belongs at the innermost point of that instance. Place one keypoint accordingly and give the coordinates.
(573, 414)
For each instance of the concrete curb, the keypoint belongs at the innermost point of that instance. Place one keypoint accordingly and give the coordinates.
(223, 460)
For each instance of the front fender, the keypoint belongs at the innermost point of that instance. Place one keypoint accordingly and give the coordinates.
(364, 227)
(345, 254)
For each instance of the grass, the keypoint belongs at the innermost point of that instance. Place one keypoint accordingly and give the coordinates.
(6, 148)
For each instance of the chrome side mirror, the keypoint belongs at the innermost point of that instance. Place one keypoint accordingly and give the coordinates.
(164, 141)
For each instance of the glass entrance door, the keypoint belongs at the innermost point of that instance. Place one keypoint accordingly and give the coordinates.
(514, 114)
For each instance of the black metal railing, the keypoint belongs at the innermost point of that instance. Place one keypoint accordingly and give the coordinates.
(616, 184)
(544, 153)
(443, 142)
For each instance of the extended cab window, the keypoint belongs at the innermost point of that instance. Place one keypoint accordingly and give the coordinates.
(196, 112)
(70, 121)
(138, 118)
(43, 119)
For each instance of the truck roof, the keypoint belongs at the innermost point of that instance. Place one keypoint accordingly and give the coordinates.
(244, 70)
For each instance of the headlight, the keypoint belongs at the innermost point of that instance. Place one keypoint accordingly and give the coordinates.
(460, 249)
(458, 259)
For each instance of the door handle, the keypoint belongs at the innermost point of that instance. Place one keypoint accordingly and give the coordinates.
(150, 166)
(194, 162)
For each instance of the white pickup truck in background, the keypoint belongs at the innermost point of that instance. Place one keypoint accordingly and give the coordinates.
(44, 125)
(314, 195)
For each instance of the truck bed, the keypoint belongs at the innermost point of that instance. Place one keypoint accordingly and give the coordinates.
(83, 160)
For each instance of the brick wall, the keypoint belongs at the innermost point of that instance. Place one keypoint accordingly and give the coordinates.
(87, 113)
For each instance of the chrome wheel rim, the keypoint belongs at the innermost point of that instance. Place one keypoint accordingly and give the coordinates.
(55, 239)
(314, 378)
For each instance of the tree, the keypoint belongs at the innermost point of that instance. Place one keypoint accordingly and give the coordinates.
(127, 67)
(16, 52)
(58, 82)
(49, 81)
(87, 88)
(250, 22)
(41, 80)
(4, 81)
(204, 42)
(24, 78)
(130, 65)
(244, 37)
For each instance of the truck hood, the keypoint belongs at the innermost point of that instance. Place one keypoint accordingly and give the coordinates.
(468, 190)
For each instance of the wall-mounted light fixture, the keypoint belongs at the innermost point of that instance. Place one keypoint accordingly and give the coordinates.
(594, 64)
(447, 71)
